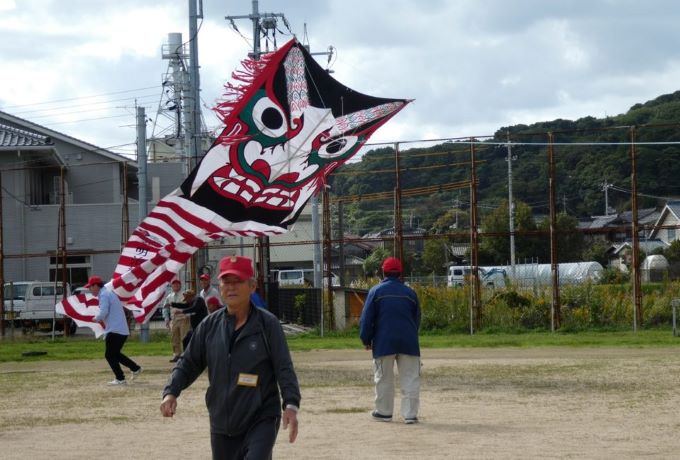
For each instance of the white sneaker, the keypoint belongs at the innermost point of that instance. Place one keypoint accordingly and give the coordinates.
(117, 382)
(136, 373)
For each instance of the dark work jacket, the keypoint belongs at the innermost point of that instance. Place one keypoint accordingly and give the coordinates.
(197, 310)
(259, 349)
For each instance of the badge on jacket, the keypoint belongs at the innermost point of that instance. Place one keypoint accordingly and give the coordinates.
(247, 380)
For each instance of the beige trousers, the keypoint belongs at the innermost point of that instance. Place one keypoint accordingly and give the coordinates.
(178, 329)
(409, 381)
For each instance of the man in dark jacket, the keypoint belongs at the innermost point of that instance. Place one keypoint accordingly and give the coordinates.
(194, 308)
(248, 363)
(389, 326)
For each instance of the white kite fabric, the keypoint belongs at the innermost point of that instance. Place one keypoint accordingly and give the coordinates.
(288, 124)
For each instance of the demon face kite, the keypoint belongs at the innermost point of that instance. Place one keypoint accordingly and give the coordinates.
(285, 131)
(288, 124)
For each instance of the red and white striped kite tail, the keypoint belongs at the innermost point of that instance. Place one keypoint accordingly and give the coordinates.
(82, 308)
(163, 243)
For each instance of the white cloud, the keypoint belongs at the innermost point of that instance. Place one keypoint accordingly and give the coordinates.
(471, 66)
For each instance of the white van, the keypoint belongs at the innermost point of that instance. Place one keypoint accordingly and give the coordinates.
(459, 275)
(301, 277)
(31, 303)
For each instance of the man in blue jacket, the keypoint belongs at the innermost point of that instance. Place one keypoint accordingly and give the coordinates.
(389, 326)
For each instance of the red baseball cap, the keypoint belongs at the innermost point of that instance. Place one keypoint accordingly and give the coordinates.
(213, 301)
(239, 266)
(94, 279)
(392, 265)
(204, 276)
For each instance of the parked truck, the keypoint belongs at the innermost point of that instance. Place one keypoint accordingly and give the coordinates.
(30, 305)
(301, 277)
(526, 275)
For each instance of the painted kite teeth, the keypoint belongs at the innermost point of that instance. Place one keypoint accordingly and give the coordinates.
(246, 195)
(261, 199)
(232, 188)
(274, 201)
(232, 173)
(219, 181)
(253, 185)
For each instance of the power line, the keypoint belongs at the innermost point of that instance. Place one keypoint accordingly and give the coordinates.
(89, 104)
(78, 98)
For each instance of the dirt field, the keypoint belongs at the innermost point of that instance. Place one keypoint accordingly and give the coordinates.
(475, 403)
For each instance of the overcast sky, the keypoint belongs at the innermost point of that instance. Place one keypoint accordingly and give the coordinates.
(472, 66)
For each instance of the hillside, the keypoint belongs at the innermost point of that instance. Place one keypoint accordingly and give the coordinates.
(581, 169)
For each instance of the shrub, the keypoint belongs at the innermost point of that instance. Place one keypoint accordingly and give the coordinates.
(443, 308)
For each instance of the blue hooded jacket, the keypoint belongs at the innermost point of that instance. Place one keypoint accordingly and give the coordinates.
(390, 319)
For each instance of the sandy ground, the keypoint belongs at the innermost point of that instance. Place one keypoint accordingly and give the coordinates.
(475, 403)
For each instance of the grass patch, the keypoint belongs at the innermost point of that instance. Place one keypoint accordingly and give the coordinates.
(78, 348)
(646, 338)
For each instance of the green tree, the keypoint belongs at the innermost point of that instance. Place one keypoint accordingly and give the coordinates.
(452, 220)
(496, 249)
(435, 256)
(569, 239)
(672, 252)
(596, 251)
(373, 263)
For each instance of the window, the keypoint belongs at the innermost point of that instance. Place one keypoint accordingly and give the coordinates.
(47, 291)
(77, 269)
(291, 275)
(671, 234)
(19, 291)
(43, 185)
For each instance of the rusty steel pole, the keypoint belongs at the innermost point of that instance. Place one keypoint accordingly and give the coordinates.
(61, 257)
(398, 230)
(475, 291)
(259, 245)
(327, 305)
(635, 261)
(341, 246)
(555, 308)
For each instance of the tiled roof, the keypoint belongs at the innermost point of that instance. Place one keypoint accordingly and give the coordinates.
(674, 206)
(14, 137)
(646, 246)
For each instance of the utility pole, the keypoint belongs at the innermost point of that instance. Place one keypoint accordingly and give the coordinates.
(317, 243)
(262, 22)
(141, 181)
(605, 188)
(193, 133)
(511, 205)
(194, 83)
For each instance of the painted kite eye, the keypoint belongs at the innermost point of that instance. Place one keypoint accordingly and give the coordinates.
(337, 147)
(269, 118)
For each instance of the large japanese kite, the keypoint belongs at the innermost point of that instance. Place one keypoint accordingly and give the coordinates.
(288, 124)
